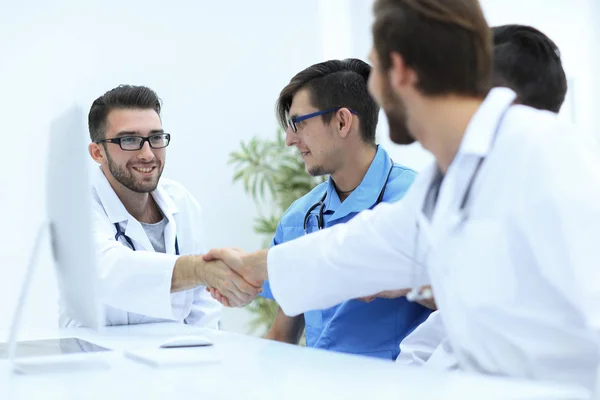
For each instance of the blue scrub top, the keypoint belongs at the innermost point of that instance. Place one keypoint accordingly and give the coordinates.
(371, 329)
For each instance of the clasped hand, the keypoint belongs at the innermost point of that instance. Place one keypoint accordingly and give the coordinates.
(240, 284)
(394, 294)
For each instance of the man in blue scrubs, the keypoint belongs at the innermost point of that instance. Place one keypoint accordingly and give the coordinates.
(331, 118)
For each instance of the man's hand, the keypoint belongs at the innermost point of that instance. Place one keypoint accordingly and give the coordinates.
(286, 329)
(220, 298)
(394, 294)
(251, 267)
(218, 276)
(386, 294)
(429, 303)
(191, 271)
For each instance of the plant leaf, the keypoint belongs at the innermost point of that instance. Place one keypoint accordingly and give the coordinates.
(274, 176)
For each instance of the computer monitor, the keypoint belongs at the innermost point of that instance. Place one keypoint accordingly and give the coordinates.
(68, 197)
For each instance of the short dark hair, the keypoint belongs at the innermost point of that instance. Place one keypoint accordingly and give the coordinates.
(121, 97)
(528, 62)
(447, 43)
(334, 83)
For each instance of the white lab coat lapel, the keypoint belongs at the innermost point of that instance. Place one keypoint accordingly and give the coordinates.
(169, 209)
(476, 144)
(449, 221)
(435, 227)
(137, 234)
(447, 214)
(425, 240)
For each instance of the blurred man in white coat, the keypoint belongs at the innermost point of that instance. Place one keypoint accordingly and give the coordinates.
(503, 225)
(147, 230)
(528, 62)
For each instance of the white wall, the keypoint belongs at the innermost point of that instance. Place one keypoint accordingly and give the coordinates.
(594, 17)
(572, 26)
(219, 66)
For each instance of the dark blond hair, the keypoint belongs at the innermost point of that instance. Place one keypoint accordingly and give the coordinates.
(446, 42)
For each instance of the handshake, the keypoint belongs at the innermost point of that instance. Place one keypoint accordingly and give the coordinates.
(234, 277)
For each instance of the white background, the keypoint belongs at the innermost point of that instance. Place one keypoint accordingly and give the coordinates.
(219, 67)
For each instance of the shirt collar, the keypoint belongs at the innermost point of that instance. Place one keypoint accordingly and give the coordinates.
(366, 194)
(116, 211)
(481, 130)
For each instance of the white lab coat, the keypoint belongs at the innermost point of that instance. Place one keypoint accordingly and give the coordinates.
(135, 286)
(517, 281)
(428, 345)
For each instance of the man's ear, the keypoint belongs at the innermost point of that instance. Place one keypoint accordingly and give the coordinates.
(96, 152)
(344, 121)
(400, 74)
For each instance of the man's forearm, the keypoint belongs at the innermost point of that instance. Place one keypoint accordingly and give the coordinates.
(257, 264)
(245, 273)
(188, 273)
(192, 271)
(286, 329)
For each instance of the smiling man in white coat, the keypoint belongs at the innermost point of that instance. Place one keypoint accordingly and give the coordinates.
(147, 230)
(504, 224)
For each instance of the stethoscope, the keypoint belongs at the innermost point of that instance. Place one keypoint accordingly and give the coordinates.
(321, 204)
(122, 234)
(415, 293)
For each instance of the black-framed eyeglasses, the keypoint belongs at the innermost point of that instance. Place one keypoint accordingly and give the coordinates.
(133, 143)
(294, 120)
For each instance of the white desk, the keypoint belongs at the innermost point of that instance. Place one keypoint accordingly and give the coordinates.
(252, 368)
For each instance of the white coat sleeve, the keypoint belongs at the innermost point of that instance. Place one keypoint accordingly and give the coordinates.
(133, 281)
(370, 253)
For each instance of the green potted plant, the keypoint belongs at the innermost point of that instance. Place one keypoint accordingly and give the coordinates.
(274, 176)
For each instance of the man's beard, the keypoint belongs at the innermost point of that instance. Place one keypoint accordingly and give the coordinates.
(125, 177)
(395, 111)
(318, 170)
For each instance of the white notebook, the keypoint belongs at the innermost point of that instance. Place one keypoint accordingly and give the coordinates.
(186, 356)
